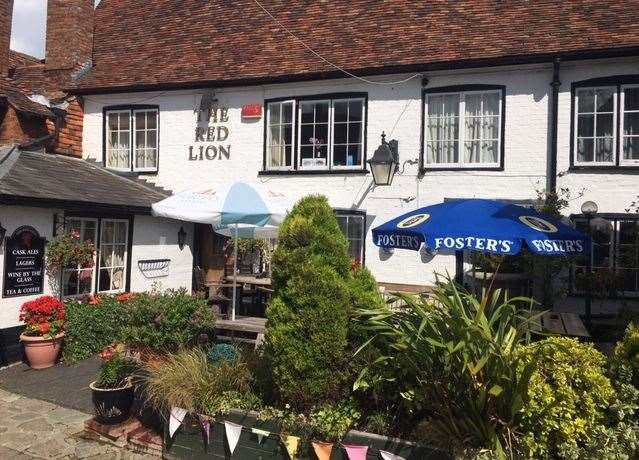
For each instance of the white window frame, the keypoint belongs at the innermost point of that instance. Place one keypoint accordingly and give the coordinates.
(107, 138)
(125, 260)
(131, 111)
(622, 136)
(296, 157)
(348, 215)
(268, 165)
(332, 126)
(575, 115)
(78, 269)
(134, 144)
(461, 163)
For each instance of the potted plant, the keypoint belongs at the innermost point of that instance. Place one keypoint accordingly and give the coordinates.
(44, 330)
(113, 390)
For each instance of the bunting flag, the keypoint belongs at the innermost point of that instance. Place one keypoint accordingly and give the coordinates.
(291, 443)
(388, 456)
(233, 432)
(261, 434)
(205, 423)
(175, 419)
(356, 452)
(323, 449)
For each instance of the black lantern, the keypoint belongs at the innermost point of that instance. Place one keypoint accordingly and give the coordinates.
(3, 232)
(385, 162)
(181, 238)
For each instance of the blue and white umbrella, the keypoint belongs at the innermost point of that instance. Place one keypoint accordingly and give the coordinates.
(241, 210)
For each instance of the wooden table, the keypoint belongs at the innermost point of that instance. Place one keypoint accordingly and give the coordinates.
(567, 324)
(249, 279)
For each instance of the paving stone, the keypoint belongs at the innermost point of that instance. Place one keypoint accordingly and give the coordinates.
(24, 416)
(17, 440)
(86, 449)
(51, 448)
(7, 397)
(10, 454)
(39, 425)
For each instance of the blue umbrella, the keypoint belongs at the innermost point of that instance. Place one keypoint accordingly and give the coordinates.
(481, 225)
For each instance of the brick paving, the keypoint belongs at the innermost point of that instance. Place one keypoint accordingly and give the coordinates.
(35, 429)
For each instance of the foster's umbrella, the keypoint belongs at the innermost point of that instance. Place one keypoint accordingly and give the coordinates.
(481, 225)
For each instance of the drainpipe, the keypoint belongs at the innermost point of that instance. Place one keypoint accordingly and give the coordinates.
(552, 167)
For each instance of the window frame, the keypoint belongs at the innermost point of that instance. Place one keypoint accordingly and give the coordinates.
(615, 114)
(618, 82)
(132, 110)
(622, 96)
(356, 213)
(125, 265)
(296, 167)
(461, 165)
(267, 146)
(615, 219)
(95, 256)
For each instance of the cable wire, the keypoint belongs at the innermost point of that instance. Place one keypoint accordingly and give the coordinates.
(341, 69)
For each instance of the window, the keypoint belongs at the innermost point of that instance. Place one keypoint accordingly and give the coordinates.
(113, 255)
(131, 138)
(79, 280)
(614, 256)
(315, 134)
(630, 125)
(463, 129)
(595, 121)
(353, 225)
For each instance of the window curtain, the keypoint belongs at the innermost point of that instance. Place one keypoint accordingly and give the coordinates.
(443, 127)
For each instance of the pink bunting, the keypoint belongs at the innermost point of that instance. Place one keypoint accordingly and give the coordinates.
(356, 452)
(389, 456)
(205, 423)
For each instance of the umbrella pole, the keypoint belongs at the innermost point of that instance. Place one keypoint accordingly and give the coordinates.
(234, 275)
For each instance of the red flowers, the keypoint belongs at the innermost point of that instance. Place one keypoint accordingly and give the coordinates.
(43, 316)
(94, 300)
(125, 296)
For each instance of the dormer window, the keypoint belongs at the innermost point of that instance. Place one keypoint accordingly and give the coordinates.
(131, 138)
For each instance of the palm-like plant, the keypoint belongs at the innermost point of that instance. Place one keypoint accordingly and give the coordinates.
(453, 356)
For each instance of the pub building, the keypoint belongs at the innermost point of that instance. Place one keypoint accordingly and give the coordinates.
(487, 100)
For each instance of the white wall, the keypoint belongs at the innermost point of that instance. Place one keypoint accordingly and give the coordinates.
(11, 218)
(397, 111)
(155, 238)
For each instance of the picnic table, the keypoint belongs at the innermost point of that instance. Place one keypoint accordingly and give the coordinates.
(249, 279)
(566, 324)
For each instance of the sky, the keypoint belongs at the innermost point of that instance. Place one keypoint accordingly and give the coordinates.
(29, 25)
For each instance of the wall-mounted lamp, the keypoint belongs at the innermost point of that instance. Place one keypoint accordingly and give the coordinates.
(181, 238)
(385, 162)
(3, 232)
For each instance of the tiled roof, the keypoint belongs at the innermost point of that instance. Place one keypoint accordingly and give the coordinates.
(169, 42)
(21, 103)
(41, 177)
(18, 59)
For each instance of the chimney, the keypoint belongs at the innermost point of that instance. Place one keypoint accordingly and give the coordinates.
(6, 13)
(69, 33)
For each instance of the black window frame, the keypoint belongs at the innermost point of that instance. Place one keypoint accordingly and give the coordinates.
(615, 217)
(295, 153)
(424, 167)
(131, 108)
(614, 80)
(359, 213)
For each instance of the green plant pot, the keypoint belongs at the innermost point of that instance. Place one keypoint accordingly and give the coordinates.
(188, 443)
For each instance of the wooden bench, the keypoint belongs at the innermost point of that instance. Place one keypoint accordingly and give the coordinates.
(566, 324)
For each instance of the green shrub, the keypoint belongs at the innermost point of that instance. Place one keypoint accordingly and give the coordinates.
(187, 379)
(115, 372)
(568, 396)
(166, 321)
(307, 327)
(332, 421)
(627, 352)
(452, 360)
(91, 327)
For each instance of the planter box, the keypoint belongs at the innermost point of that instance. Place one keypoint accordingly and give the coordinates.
(188, 443)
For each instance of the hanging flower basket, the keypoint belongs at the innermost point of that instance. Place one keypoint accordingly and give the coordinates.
(68, 250)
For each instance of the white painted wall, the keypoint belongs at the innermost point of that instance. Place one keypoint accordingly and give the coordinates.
(155, 238)
(397, 111)
(11, 218)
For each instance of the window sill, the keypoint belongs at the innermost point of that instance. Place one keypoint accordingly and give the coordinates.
(461, 168)
(315, 172)
(607, 168)
(129, 173)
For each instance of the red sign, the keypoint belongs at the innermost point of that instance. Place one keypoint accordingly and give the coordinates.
(252, 111)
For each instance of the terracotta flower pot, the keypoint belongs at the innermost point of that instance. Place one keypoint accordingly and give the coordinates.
(41, 352)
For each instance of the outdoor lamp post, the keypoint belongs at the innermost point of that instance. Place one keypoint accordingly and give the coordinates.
(589, 209)
(181, 238)
(385, 162)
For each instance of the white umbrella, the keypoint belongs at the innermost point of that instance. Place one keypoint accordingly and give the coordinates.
(240, 209)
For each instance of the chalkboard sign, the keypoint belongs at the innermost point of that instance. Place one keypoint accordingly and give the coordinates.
(23, 263)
